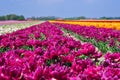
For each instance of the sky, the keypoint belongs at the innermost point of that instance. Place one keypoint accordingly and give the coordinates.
(61, 8)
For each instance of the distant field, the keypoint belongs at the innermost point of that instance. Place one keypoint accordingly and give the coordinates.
(89, 20)
(13, 22)
(113, 24)
(10, 26)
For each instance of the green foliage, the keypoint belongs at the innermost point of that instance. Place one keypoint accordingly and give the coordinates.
(68, 64)
(75, 18)
(42, 37)
(12, 17)
(50, 61)
(114, 49)
(44, 18)
(107, 18)
(102, 46)
(2, 49)
(83, 57)
(28, 47)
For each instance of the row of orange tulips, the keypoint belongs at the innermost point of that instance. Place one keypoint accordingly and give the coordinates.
(114, 24)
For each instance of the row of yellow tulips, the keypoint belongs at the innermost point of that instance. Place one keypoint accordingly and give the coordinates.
(98, 24)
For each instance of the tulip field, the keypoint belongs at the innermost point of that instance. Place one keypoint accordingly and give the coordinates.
(60, 50)
(114, 24)
(10, 26)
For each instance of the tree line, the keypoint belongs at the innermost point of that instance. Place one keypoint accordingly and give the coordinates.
(72, 18)
(54, 18)
(12, 17)
(21, 17)
(44, 18)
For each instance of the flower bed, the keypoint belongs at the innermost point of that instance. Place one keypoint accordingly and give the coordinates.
(10, 26)
(112, 24)
(108, 39)
(42, 52)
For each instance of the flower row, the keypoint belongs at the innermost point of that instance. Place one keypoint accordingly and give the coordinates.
(6, 27)
(103, 38)
(97, 24)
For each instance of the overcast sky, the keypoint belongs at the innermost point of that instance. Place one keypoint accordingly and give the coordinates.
(61, 8)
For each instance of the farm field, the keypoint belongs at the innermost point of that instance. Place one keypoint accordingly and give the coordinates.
(114, 24)
(60, 50)
(10, 26)
(12, 22)
(106, 39)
